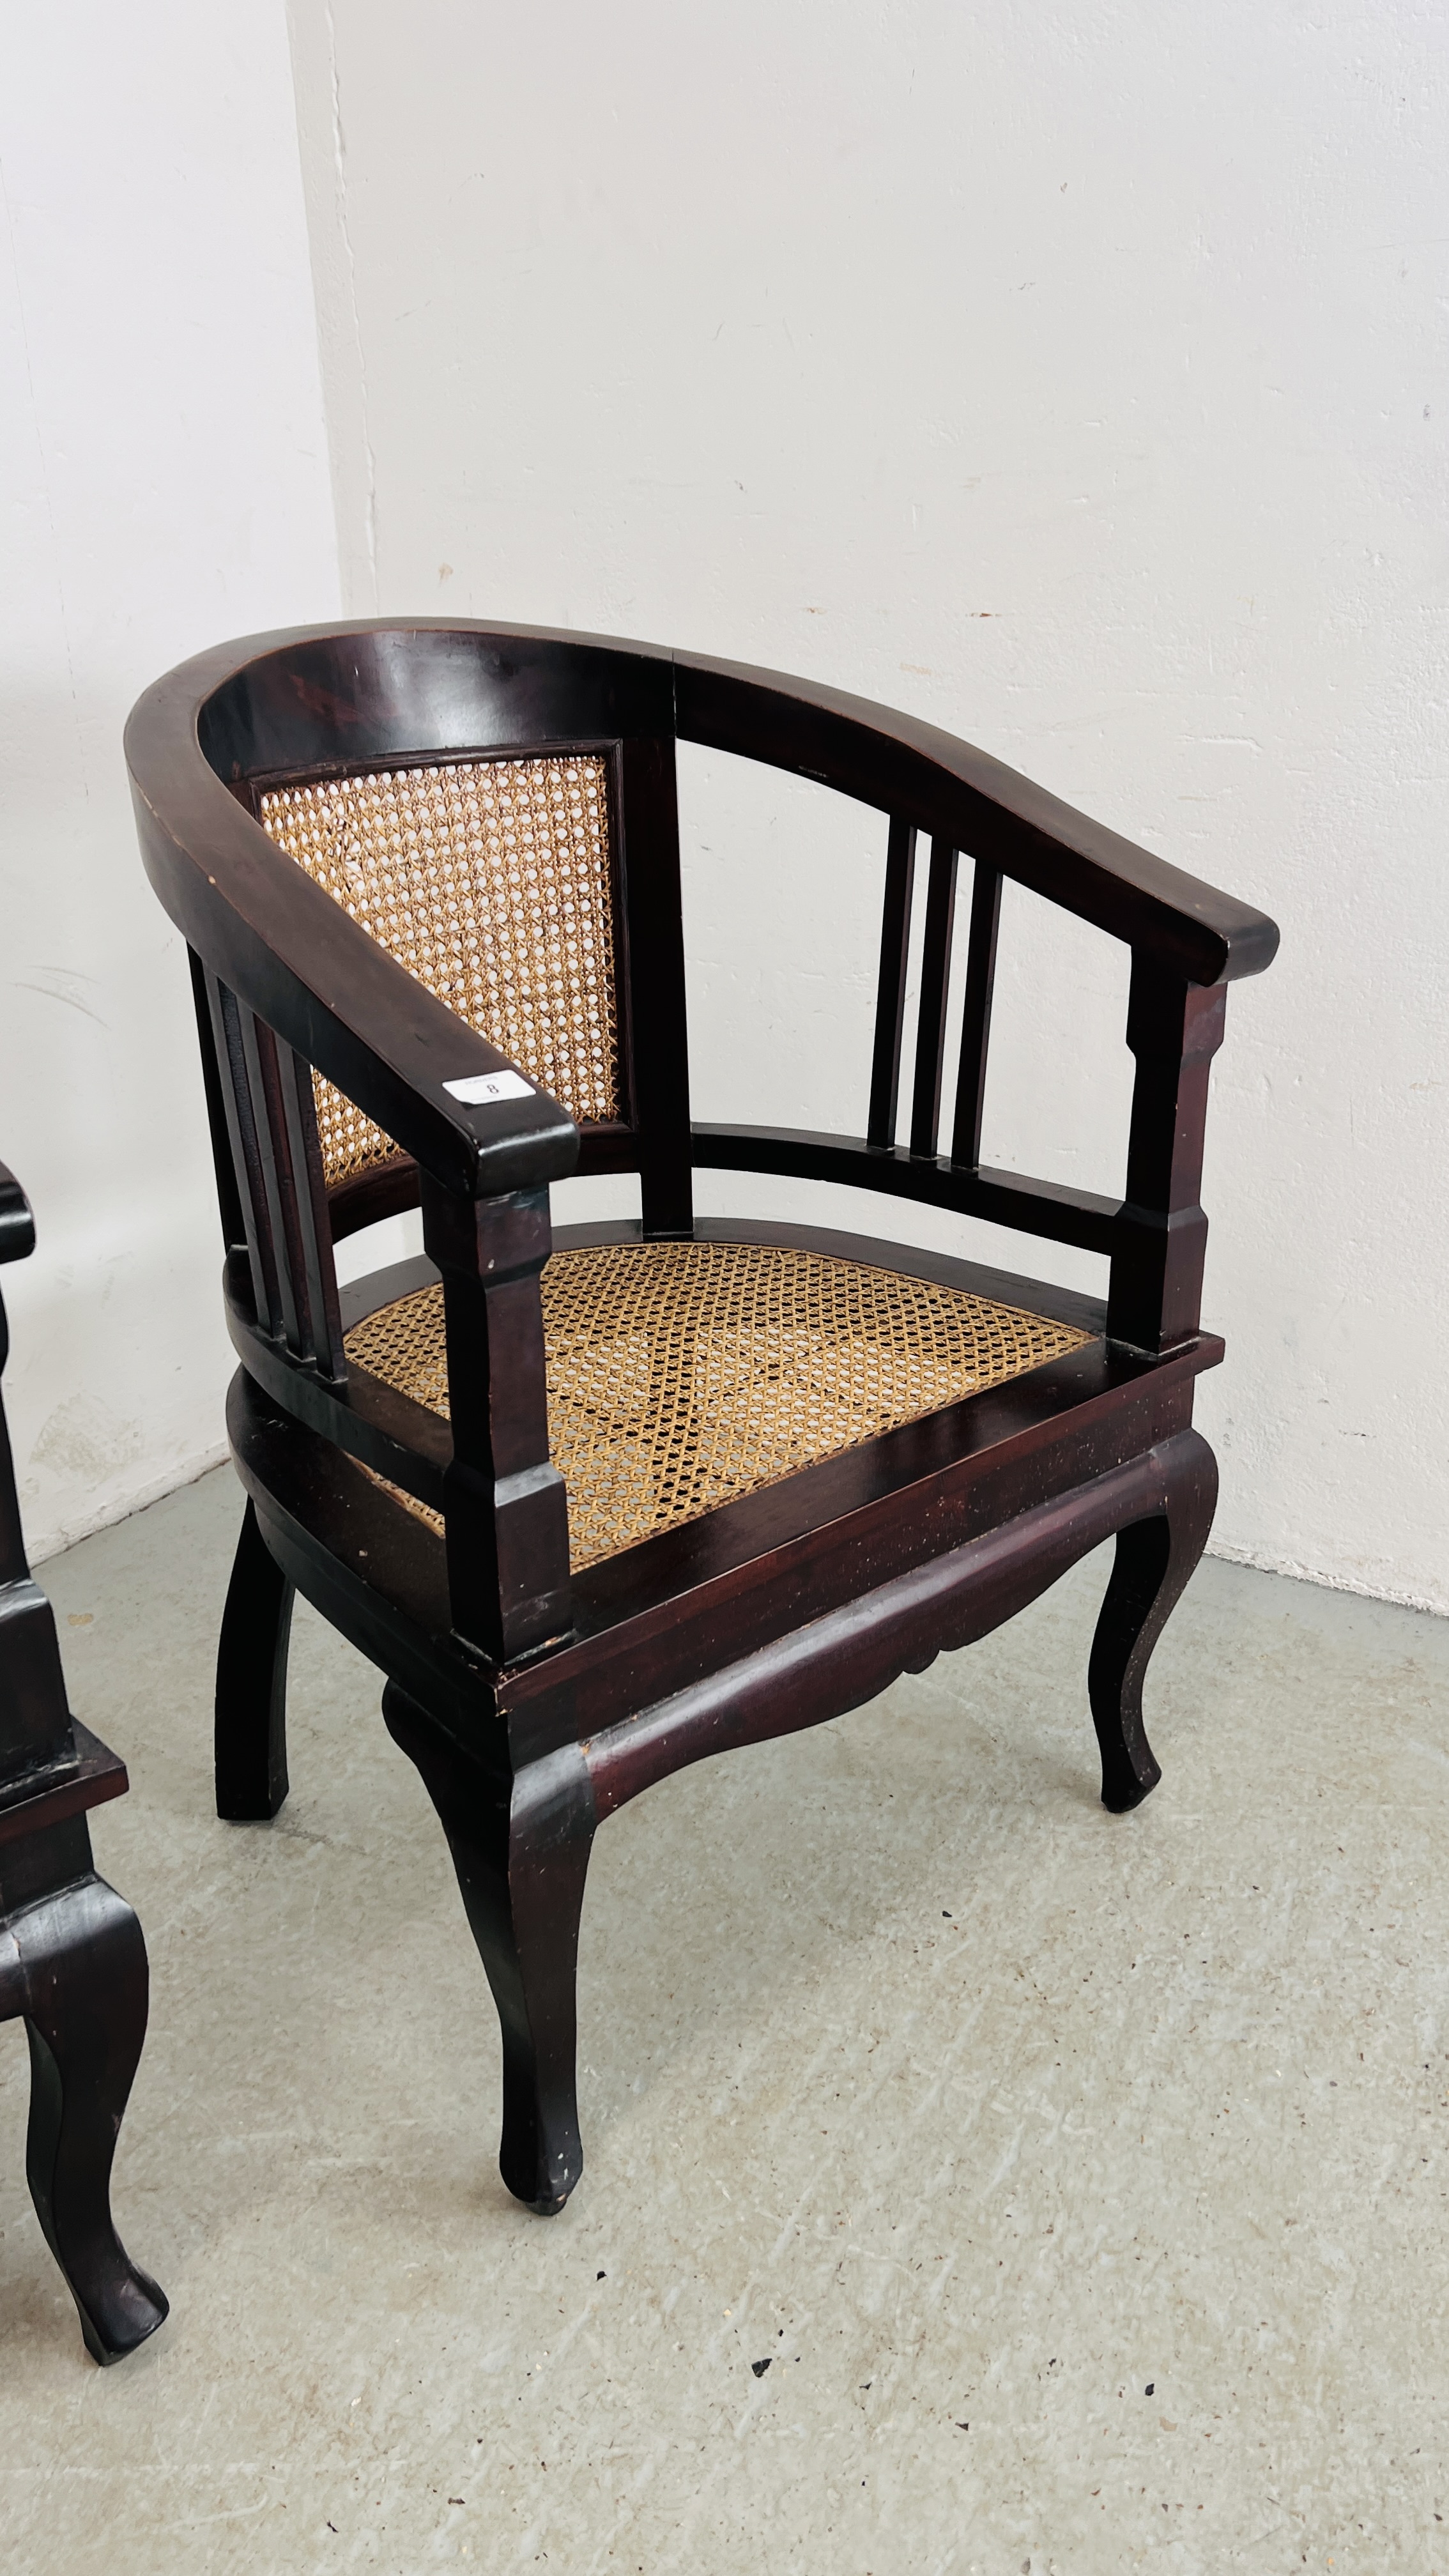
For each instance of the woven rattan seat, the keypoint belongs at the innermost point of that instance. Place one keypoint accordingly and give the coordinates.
(685, 1375)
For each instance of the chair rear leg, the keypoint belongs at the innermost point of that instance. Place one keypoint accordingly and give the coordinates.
(83, 1977)
(1153, 1563)
(251, 1683)
(522, 1858)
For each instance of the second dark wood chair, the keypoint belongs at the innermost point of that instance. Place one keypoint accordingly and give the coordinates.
(602, 1501)
(72, 1959)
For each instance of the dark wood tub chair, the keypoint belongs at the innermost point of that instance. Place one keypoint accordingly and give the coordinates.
(602, 1501)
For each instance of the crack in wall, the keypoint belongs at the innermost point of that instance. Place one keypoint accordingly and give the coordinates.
(339, 170)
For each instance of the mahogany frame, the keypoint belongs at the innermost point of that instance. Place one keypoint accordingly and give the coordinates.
(534, 1703)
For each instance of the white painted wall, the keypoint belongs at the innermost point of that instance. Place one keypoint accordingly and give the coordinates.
(165, 484)
(1075, 379)
(1079, 383)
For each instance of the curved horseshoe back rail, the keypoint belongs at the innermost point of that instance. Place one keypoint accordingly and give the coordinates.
(311, 704)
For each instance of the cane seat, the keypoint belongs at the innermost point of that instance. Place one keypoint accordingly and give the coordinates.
(686, 1375)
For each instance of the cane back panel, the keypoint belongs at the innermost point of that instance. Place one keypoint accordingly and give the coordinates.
(491, 881)
(684, 1375)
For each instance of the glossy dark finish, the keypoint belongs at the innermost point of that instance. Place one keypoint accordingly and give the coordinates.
(1051, 1209)
(935, 981)
(17, 1225)
(72, 1960)
(1154, 1558)
(1174, 1031)
(521, 1851)
(503, 1503)
(976, 1015)
(534, 1703)
(971, 802)
(54, 1793)
(251, 1683)
(656, 1035)
(854, 1652)
(890, 1008)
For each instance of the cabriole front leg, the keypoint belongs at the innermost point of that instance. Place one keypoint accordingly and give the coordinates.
(1154, 1560)
(522, 1857)
(75, 1965)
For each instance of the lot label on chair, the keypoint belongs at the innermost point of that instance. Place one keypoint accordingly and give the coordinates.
(481, 1087)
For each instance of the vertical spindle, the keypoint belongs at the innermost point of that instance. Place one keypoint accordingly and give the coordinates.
(890, 1007)
(976, 1014)
(935, 979)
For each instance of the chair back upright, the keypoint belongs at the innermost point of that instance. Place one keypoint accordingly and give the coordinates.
(503, 824)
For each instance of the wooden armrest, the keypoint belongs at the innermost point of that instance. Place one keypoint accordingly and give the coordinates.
(962, 796)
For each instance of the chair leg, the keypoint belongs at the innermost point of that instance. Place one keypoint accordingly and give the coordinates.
(522, 1859)
(251, 1683)
(83, 1980)
(1153, 1562)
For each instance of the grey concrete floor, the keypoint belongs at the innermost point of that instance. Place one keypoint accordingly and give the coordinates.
(1082, 2179)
